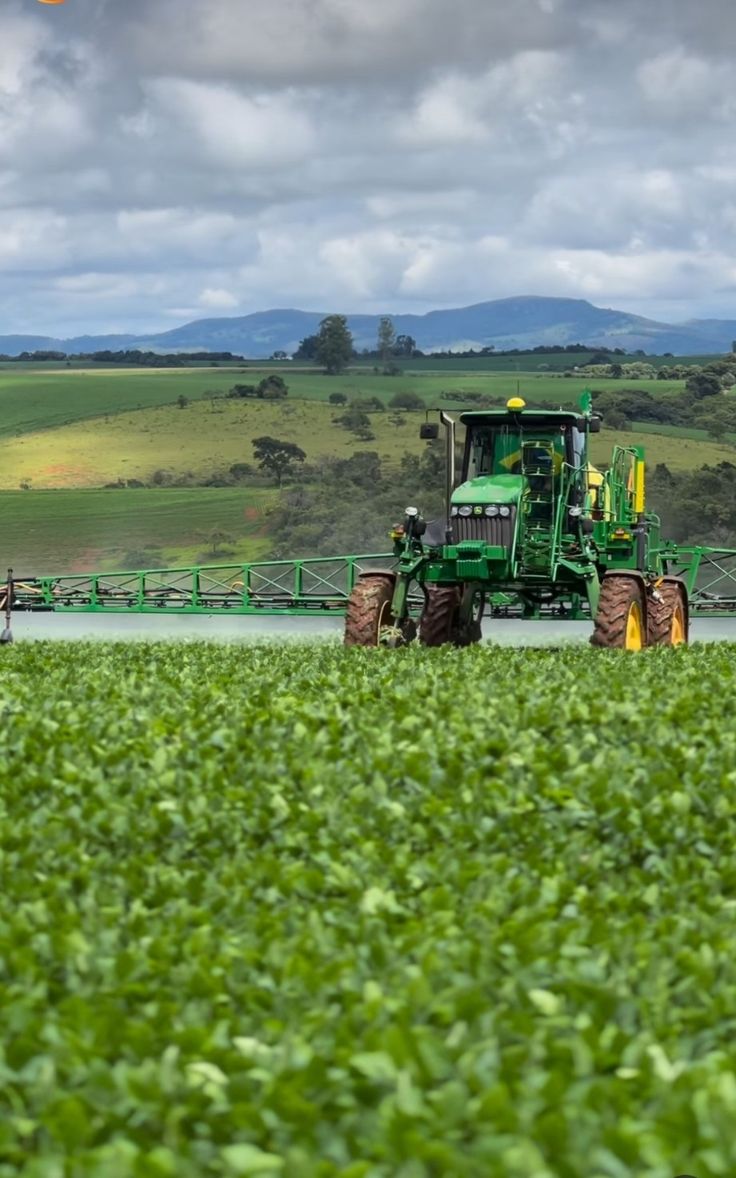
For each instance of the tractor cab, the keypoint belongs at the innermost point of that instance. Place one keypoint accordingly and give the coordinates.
(522, 441)
(525, 457)
(523, 482)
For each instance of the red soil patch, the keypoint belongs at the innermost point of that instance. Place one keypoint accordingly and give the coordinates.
(87, 561)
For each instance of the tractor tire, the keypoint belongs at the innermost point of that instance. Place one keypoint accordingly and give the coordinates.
(438, 621)
(368, 609)
(619, 622)
(667, 621)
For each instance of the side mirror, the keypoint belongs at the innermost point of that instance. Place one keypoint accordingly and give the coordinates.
(429, 431)
(595, 425)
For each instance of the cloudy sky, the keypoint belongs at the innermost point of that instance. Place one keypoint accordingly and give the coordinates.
(163, 160)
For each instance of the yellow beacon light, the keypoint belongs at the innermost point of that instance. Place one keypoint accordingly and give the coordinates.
(516, 403)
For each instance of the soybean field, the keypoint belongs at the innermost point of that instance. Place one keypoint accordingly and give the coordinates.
(310, 912)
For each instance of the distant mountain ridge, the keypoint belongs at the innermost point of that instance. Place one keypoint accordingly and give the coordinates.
(526, 321)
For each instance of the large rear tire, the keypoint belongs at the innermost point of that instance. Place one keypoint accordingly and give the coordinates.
(667, 621)
(619, 622)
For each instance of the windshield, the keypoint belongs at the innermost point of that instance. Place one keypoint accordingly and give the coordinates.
(506, 448)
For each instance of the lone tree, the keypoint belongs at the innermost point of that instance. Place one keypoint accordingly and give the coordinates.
(406, 345)
(217, 541)
(277, 457)
(334, 344)
(386, 343)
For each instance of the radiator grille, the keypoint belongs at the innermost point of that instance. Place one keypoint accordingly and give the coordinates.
(490, 529)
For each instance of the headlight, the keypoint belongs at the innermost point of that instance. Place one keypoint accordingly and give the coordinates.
(504, 511)
(453, 511)
(412, 512)
(466, 509)
(492, 510)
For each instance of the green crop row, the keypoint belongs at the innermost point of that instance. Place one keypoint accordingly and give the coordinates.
(298, 911)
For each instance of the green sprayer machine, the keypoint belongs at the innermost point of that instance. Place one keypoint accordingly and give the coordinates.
(531, 530)
(531, 527)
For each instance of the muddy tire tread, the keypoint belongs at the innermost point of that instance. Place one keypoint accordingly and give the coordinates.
(364, 608)
(659, 619)
(617, 594)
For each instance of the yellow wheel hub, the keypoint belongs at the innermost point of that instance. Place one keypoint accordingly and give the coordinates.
(634, 628)
(677, 633)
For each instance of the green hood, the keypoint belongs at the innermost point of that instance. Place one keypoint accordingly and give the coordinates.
(497, 488)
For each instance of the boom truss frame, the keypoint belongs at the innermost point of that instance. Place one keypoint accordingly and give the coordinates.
(317, 585)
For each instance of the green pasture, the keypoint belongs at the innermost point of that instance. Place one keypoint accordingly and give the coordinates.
(87, 531)
(537, 362)
(676, 431)
(35, 400)
(434, 386)
(38, 400)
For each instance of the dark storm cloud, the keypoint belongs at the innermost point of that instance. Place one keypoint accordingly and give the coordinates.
(169, 158)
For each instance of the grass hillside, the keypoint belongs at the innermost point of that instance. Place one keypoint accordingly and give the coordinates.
(199, 439)
(86, 531)
(204, 438)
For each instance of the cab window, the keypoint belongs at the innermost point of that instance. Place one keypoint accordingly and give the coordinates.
(498, 450)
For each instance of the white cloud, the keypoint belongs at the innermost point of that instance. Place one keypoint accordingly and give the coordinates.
(33, 240)
(312, 41)
(461, 108)
(188, 234)
(235, 129)
(22, 41)
(683, 85)
(222, 300)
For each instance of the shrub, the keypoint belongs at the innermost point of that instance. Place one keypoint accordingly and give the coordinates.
(407, 400)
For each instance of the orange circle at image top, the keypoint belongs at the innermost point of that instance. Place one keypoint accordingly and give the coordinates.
(50, 1)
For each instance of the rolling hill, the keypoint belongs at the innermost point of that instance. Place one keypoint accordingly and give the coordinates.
(523, 322)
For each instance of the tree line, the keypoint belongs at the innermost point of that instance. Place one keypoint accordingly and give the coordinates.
(130, 356)
(700, 405)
